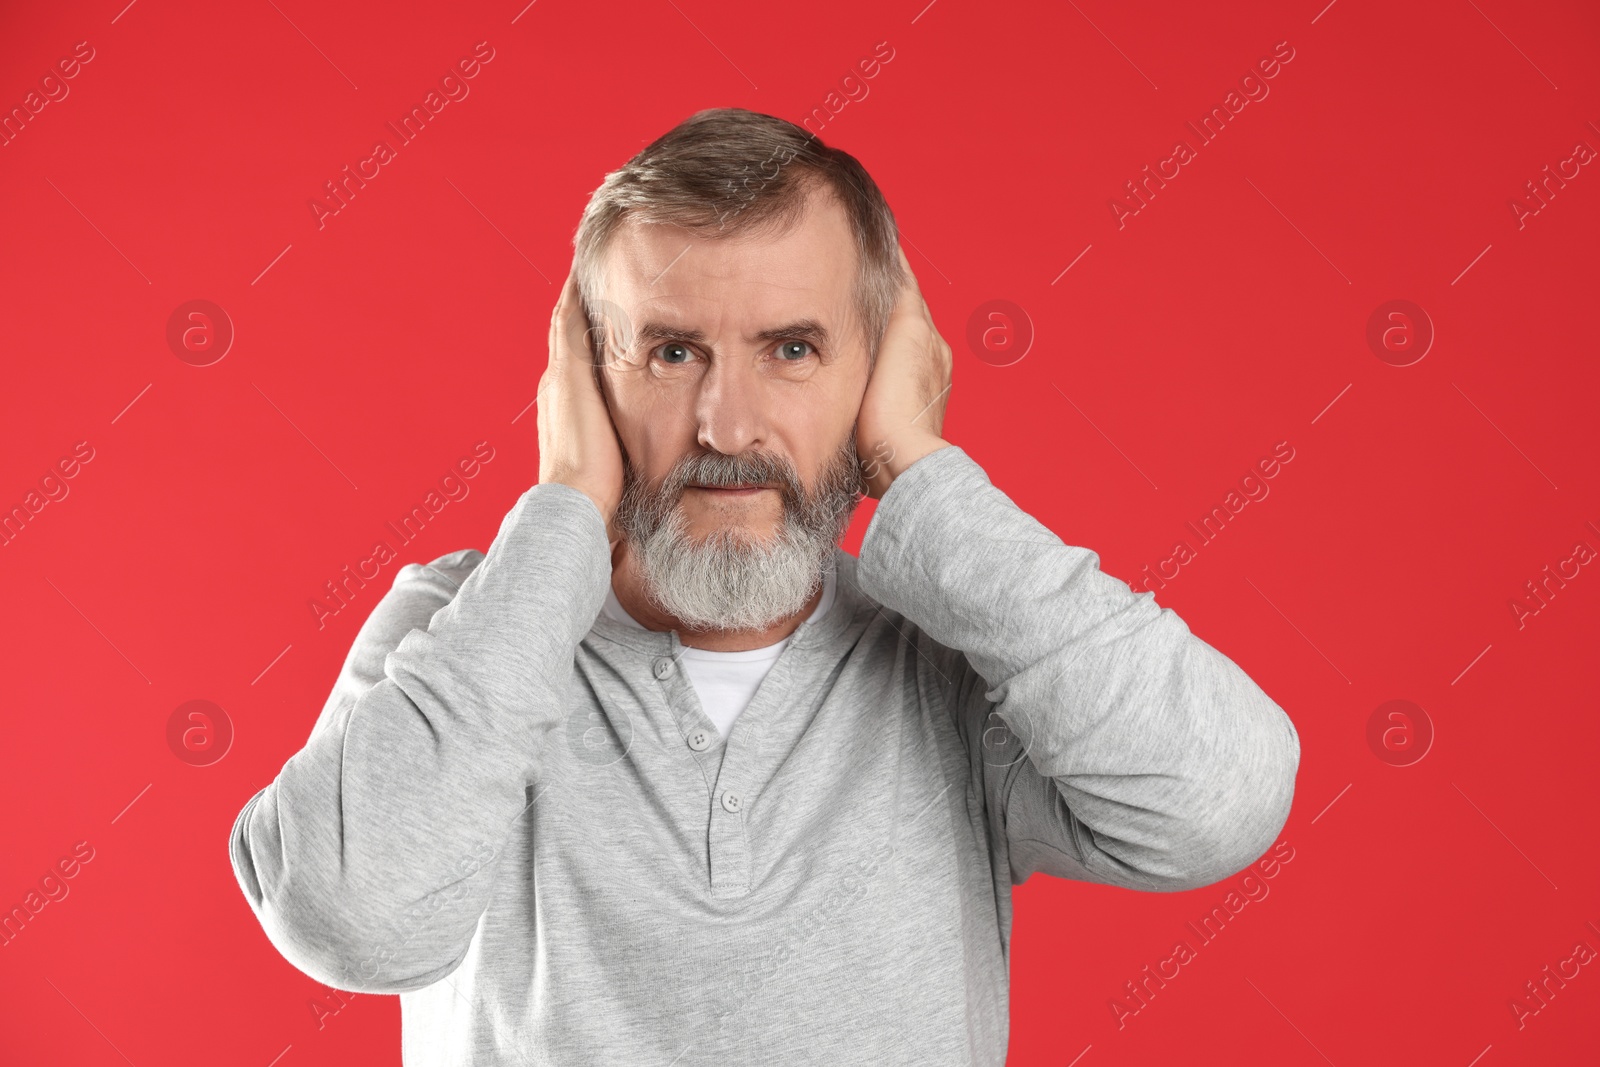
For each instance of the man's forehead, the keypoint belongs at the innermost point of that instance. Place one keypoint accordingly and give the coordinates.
(746, 282)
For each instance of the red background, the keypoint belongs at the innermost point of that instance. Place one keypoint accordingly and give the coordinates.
(1227, 315)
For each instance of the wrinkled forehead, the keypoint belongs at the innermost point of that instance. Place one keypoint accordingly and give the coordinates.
(733, 288)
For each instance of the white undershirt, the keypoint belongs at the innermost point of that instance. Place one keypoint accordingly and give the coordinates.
(725, 681)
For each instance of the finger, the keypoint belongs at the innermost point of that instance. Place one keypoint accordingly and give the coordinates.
(558, 315)
(910, 280)
(910, 295)
(911, 288)
(567, 296)
(571, 339)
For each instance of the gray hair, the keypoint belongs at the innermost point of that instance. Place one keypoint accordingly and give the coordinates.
(727, 171)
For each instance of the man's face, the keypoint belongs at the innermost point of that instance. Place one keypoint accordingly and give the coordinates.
(742, 344)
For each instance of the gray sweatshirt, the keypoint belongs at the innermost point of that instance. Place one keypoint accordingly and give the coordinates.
(513, 812)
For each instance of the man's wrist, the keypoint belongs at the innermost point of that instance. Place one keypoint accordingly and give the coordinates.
(889, 458)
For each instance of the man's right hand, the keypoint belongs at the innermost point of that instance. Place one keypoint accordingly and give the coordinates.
(578, 444)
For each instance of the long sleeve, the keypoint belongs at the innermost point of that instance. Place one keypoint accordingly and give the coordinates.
(1110, 743)
(370, 858)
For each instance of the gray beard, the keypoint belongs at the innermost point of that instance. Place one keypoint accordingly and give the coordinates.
(730, 580)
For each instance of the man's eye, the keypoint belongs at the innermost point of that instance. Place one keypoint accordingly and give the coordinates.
(673, 352)
(792, 351)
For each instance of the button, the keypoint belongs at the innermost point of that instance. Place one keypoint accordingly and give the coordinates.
(700, 740)
(663, 667)
(730, 801)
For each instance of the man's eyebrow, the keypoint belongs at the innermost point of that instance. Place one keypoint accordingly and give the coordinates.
(799, 330)
(661, 331)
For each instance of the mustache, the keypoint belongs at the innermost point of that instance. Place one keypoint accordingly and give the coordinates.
(840, 485)
(746, 468)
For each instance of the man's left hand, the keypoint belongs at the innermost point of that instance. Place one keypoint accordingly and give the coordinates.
(902, 411)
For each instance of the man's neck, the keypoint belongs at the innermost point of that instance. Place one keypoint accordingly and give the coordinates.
(628, 585)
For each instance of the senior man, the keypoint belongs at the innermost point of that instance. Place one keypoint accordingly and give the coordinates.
(666, 776)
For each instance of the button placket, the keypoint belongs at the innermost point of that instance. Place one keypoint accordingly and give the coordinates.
(739, 780)
(681, 698)
(730, 848)
(734, 791)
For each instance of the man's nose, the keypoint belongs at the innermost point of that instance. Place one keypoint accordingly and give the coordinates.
(731, 408)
